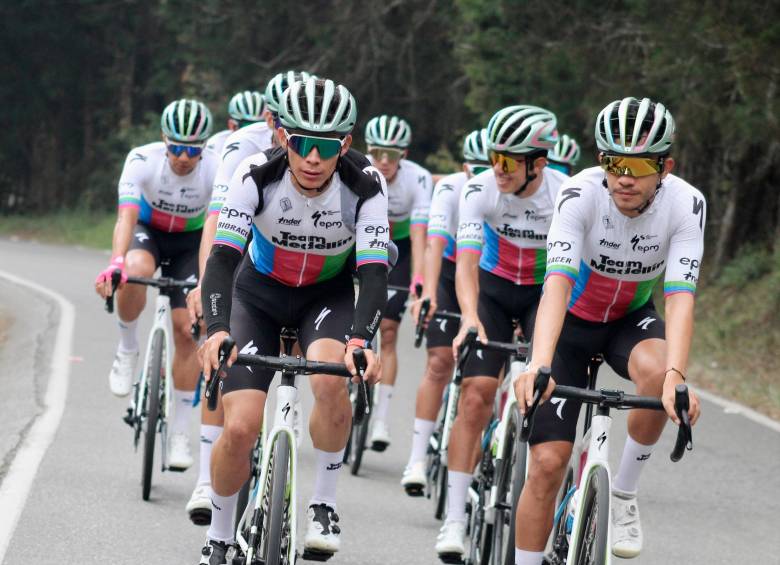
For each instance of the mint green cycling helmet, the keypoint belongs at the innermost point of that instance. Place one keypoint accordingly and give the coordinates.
(186, 121)
(522, 129)
(475, 147)
(388, 131)
(635, 127)
(566, 151)
(318, 106)
(247, 106)
(277, 85)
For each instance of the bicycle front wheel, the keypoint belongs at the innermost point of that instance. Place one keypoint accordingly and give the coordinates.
(359, 432)
(510, 482)
(590, 541)
(150, 407)
(277, 526)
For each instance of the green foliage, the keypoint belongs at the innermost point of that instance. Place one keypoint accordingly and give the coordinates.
(442, 162)
(751, 263)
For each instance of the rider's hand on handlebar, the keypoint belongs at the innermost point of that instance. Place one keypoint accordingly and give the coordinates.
(373, 370)
(667, 398)
(209, 353)
(524, 389)
(465, 324)
(194, 305)
(417, 304)
(103, 280)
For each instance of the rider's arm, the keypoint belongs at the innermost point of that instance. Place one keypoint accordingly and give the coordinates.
(443, 213)
(131, 183)
(471, 214)
(126, 219)
(372, 236)
(419, 224)
(434, 250)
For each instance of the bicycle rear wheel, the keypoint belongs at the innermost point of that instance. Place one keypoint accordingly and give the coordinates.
(590, 541)
(276, 524)
(151, 407)
(359, 433)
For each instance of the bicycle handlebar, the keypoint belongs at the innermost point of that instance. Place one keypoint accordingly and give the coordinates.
(425, 307)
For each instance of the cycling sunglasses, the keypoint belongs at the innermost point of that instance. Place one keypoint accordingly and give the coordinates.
(476, 168)
(392, 154)
(507, 164)
(327, 147)
(176, 149)
(621, 165)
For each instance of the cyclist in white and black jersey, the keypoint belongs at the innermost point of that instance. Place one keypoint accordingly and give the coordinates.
(164, 191)
(307, 209)
(616, 228)
(504, 215)
(439, 288)
(564, 156)
(244, 109)
(409, 196)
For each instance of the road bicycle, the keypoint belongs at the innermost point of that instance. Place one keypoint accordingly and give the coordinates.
(582, 525)
(266, 533)
(151, 406)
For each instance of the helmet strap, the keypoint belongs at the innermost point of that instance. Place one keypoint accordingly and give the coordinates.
(529, 177)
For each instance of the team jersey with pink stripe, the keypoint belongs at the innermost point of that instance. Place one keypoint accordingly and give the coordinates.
(509, 230)
(443, 217)
(408, 199)
(166, 201)
(300, 240)
(615, 261)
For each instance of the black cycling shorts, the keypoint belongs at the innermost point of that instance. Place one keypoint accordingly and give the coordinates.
(500, 302)
(176, 253)
(580, 341)
(262, 307)
(400, 275)
(440, 333)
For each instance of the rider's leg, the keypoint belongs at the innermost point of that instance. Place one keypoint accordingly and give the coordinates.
(211, 424)
(429, 394)
(389, 329)
(131, 299)
(186, 371)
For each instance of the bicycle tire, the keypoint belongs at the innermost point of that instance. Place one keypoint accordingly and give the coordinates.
(359, 431)
(591, 540)
(152, 400)
(560, 542)
(277, 513)
(440, 492)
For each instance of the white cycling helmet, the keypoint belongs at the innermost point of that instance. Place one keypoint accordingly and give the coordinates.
(277, 85)
(319, 106)
(566, 151)
(475, 146)
(247, 106)
(186, 121)
(635, 127)
(522, 129)
(388, 131)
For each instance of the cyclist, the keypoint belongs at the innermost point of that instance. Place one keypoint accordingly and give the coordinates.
(409, 195)
(504, 216)
(307, 209)
(249, 144)
(163, 194)
(245, 108)
(564, 156)
(439, 288)
(606, 250)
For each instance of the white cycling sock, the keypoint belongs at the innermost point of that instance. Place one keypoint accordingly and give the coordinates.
(635, 456)
(457, 491)
(222, 510)
(422, 435)
(384, 394)
(327, 468)
(208, 435)
(128, 335)
(523, 557)
(182, 411)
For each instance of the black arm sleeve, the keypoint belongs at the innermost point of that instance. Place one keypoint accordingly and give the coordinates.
(217, 287)
(372, 299)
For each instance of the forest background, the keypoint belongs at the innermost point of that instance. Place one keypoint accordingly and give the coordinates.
(85, 81)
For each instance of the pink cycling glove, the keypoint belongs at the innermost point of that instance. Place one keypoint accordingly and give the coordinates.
(413, 287)
(117, 263)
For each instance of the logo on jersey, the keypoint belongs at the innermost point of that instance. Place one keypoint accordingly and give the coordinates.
(233, 213)
(610, 244)
(421, 180)
(509, 231)
(285, 204)
(608, 265)
(534, 216)
(320, 223)
(644, 324)
(568, 194)
(139, 157)
(698, 210)
(562, 245)
(637, 245)
(608, 225)
(508, 215)
(321, 317)
(446, 188)
(472, 188)
(294, 241)
(288, 221)
(220, 188)
(229, 148)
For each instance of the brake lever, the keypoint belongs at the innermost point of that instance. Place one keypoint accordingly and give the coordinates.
(418, 331)
(541, 382)
(116, 276)
(684, 433)
(213, 382)
(361, 363)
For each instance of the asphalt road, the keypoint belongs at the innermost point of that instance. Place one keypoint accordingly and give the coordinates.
(719, 505)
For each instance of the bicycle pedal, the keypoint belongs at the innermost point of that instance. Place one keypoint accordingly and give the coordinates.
(415, 490)
(201, 517)
(315, 555)
(379, 446)
(128, 418)
(452, 558)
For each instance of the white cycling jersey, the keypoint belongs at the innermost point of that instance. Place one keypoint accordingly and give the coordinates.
(509, 230)
(217, 141)
(166, 201)
(615, 261)
(443, 217)
(239, 145)
(300, 240)
(409, 198)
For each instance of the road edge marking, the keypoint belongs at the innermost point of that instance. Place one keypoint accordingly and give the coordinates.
(732, 407)
(18, 482)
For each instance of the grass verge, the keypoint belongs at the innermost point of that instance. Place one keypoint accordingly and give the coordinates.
(70, 227)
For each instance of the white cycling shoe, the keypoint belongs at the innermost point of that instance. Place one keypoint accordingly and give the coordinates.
(380, 436)
(120, 379)
(626, 528)
(199, 506)
(451, 544)
(414, 479)
(179, 455)
(322, 531)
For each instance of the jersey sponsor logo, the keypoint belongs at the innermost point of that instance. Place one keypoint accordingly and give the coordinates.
(607, 221)
(321, 318)
(288, 221)
(229, 148)
(377, 244)
(294, 241)
(509, 231)
(562, 245)
(421, 180)
(694, 263)
(637, 245)
(233, 213)
(644, 324)
(534, 216)
(173, 208)
(568, 194)
(220, 188)
(320, 223)
(446, 188)
(610, 244)
(285, 204)
(561, 259)
(508, 215)
(139, 157)
(472, 188)
(698, 210)
(615, 267)
(234, 228)
(377, 230)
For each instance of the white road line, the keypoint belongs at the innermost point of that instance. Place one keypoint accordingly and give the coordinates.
(731, 407)
(17, 483)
